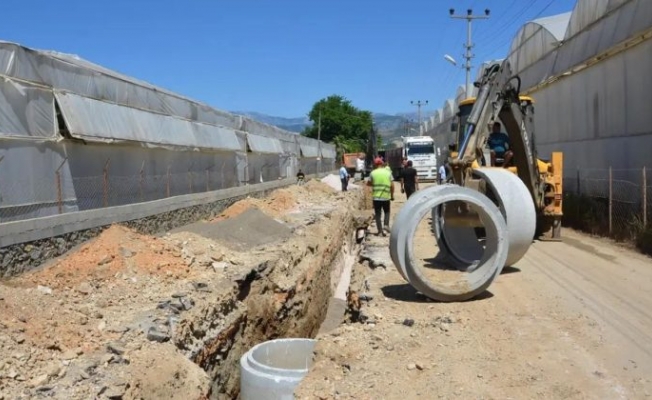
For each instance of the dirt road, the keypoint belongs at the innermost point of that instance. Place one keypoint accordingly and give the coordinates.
(572, 320)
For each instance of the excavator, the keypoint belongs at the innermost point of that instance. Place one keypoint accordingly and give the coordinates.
(498, 100)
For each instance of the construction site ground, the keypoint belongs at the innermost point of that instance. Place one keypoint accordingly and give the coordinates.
(132, 316)
(572, 320)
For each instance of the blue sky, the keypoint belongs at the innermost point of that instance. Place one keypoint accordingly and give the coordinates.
(278, 57)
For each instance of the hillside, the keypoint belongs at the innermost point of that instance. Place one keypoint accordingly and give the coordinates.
(389, 126)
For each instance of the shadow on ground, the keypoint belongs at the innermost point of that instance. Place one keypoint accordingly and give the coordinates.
(510, 270)
(405, 292)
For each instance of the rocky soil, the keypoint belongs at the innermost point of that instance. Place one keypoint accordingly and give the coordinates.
(571, 320)
(134, 316)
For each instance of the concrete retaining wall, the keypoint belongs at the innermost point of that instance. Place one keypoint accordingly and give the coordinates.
(27, 244)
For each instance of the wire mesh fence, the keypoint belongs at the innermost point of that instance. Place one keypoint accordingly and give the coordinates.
(62, 192)
(609, 202)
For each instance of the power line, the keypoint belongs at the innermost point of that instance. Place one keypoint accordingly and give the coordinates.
(511, 38)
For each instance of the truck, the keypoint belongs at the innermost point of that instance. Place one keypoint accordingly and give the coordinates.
(353, 162)
(418, 149)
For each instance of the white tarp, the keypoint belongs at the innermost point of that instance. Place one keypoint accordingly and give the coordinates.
(262, 144)
(95, 120)
(26, 111)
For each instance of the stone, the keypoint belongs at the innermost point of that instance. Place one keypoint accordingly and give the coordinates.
(116, 348)
(411, 366)
(84, 288)
(179, 295)
(39, 380)
(69, 355)
(126, 253)
(53, 369)
(105, 260)
(187, 304)
(44, 289)
(155, 335)
(408, 322)
(35, 255)
(219, 266)
(113, 391)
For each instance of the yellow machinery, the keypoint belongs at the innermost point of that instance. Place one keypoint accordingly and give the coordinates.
(498, 100)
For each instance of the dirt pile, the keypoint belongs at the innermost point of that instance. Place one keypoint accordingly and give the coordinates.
(280, 201)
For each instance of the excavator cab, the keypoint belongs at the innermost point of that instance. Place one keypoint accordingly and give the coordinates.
(547, 184)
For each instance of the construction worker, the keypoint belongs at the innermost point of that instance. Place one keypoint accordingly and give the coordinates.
(382, 185)
(409, 179)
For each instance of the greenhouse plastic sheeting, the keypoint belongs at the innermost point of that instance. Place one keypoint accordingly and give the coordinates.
(328, 151)
(262, 144)
(26, 111)
(76, 75)
(99, 121)
(309, 151)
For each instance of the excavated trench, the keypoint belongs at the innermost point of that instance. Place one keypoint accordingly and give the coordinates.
(295, 293)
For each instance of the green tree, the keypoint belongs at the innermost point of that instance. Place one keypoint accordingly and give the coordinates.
(341, 124)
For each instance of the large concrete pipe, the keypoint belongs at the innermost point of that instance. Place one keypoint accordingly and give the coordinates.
(458, 242)
(484, 269)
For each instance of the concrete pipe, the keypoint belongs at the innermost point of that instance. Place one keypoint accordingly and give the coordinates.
(484, 269)
(459, 244)
(272, 370)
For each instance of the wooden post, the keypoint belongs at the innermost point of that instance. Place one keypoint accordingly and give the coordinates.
(105, 184)
(208, 176)
(142, 182)
(644, 197)
(168, 183)
(611, 198)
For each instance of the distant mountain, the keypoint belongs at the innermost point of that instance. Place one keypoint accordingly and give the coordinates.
(290, 124)
(389, 126)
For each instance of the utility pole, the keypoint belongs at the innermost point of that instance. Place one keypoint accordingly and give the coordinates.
(469, 45)
(418, 103)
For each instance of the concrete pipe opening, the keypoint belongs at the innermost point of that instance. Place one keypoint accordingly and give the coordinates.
(439, 272)
(271, 370)
(509, 193)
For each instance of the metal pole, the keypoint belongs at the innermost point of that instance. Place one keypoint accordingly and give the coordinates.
(469, 17)
(468, 58)
(418, 103)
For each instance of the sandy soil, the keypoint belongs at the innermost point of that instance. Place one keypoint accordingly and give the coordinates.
(571, 320)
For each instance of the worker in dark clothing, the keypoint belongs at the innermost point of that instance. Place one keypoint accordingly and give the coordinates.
(409, 180)
(301, 178)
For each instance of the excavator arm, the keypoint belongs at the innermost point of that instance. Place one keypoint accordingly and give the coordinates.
(498, 98)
